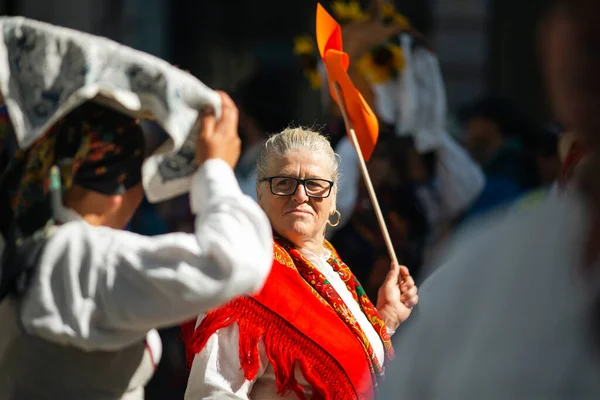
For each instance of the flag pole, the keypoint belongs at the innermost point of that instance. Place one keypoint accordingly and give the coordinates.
(365, 174)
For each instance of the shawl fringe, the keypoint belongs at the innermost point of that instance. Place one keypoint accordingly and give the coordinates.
(281, 342)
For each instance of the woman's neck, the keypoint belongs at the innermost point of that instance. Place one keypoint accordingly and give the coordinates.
(312, 244)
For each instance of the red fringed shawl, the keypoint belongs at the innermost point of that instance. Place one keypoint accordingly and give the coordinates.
(298, 326)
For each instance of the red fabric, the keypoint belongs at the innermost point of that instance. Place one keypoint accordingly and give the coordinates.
(149, 350)
(298, 327)
(323, 287)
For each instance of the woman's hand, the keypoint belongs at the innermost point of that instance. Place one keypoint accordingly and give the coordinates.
(397, 296)
(219, 139)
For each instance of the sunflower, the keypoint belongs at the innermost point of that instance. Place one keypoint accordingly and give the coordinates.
(304, 45)
(391, 15)
(348, 11)
(382, 63)
(314, 78)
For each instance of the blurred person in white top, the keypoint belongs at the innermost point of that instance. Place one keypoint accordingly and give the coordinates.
(84, 327)
(514, 310)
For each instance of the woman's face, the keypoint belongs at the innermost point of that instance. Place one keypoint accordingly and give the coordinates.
(299, 218)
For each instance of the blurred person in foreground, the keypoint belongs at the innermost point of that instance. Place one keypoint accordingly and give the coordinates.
(83, 296)
(311, 330)
(515, 310)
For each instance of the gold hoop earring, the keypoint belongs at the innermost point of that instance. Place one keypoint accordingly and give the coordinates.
(339, 219)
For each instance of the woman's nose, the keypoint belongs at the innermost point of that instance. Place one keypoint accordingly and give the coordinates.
(300, 195)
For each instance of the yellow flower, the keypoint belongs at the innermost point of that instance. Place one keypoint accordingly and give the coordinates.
(398, 19)
(350, 11)
(314, 78)
(401, 20)
(373, 72)
(388, 10)
(304, 45)
(379, 73)
(398, 57)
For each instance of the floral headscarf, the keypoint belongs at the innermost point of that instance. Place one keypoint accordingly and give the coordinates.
(94, 147)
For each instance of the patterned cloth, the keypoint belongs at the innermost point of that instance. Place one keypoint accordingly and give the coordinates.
(47, 71)
(115, 153)
(94, 147)
(324, 289)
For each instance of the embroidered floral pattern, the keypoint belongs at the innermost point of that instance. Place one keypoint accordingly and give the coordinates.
(325, 290)
(282, 257)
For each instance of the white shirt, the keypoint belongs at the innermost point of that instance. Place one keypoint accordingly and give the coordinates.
(98, 288)
(216, 372)
(508, 315)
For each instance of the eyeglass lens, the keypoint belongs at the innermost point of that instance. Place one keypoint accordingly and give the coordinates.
(283, 186)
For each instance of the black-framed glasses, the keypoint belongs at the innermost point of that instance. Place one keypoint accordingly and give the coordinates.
(287, 186)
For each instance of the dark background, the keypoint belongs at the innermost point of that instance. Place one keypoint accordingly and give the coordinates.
(485, 46)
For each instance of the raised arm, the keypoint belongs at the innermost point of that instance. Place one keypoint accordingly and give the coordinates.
(101, 288)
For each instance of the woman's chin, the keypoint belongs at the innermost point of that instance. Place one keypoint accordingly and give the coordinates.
(297, 229)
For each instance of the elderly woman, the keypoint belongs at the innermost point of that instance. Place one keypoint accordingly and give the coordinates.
(311, 330)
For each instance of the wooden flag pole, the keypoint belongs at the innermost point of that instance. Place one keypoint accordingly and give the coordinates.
(365, 174)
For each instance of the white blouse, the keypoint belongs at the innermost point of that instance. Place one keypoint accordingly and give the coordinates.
(98, 288)
(216, 371)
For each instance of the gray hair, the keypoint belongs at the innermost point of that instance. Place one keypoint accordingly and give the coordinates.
(291, 139)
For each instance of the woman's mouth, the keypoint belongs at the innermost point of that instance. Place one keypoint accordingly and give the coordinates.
(298, 212)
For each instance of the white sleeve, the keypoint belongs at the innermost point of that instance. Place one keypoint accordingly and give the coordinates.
(216, 371)
(421, 98)
(101, 289)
